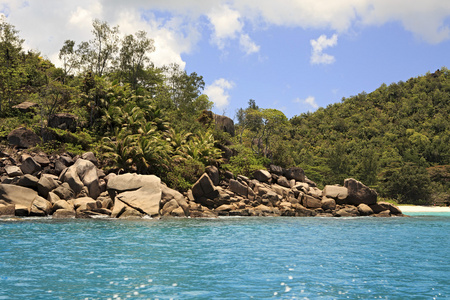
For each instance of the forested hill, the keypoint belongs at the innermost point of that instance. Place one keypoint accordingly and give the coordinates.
(108, 97)
(396, 138)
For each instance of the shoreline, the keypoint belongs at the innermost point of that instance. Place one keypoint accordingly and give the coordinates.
(419, 208)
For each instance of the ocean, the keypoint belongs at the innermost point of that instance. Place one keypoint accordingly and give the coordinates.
(226, 258)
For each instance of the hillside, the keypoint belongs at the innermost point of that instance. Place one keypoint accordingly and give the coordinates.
(140, 118)
(396, 138)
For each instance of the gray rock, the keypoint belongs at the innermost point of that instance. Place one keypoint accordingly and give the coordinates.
(359, 193)
(14, 194)
(224, 123)
(42, 159)
(328, 203)
(118, 208)
(262, 175)
(203, 187)
(145, 200)
(364, 210)
(296, 173)
(28, 180)
(64, 214)
(62, 204)
(283, 182)
(131, 182)
(30, 166)
(23, 138)
(53, 198)
(169, 207)
(64, 191)
(347, 211)
(63, 121)
(168, 194)
(40, 207)
(276, 170)
(45, 185)
(13, 171)
(213, 174)
(90, 156)
(336, 192)
(238, 188)
(26, 106)
(311, 202)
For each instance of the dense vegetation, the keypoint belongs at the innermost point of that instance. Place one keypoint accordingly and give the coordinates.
(141, 118)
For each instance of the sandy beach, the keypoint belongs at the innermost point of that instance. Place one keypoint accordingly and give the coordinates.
(418, 208)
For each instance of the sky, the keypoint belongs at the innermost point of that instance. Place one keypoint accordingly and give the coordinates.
(291, 55)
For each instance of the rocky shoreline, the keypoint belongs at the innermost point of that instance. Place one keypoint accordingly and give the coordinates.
(67, 186)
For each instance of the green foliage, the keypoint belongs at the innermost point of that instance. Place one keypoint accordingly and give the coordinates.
(245, 162)
(152, 120)
(183, 174)
(408, 184)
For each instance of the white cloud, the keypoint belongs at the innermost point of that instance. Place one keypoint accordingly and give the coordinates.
(226, 23)
(247, 45)
(311, 101)
(179, 24)
(218, 92)
(317, 55)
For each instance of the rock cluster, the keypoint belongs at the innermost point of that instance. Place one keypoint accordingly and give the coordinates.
(286, 192)
(66, 186)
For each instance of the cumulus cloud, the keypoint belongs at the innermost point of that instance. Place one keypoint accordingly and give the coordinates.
(218, 92)
(310, 101)
(226, 23)
(247, 45)
(178, 25)
(317, 55)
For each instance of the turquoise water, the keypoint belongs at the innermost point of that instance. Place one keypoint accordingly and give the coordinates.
(227, 258)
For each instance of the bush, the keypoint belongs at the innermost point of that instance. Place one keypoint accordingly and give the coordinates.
(184, 174)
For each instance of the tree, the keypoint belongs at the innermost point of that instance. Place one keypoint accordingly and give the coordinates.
(98, 54)
(11, 68)
(133, 58)
(69, 57)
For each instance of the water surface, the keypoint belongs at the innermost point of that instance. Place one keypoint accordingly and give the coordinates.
(226, 258)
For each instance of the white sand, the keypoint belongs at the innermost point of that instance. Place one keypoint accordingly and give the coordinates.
(412, 208)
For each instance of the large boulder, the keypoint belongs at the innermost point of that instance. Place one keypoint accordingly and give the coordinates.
(131, 182)
(296, 173)
(26, 106)
(311, 202)
(238, 188)
(224, 123)
(14, 194)
(213, 174)
(145, 200)
(262, 175)
(336, 192)
(45, 185)
(82, 173)
(204, 187)
(170, 195)
(13, 171)
(359, 193)
(63, 121)
(64, 191)
(30, 166)
(40, 207)
(23, 138)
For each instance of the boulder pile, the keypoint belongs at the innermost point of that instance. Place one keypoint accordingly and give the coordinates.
(67, 186)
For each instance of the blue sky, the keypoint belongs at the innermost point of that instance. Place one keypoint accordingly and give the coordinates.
(292, 55)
